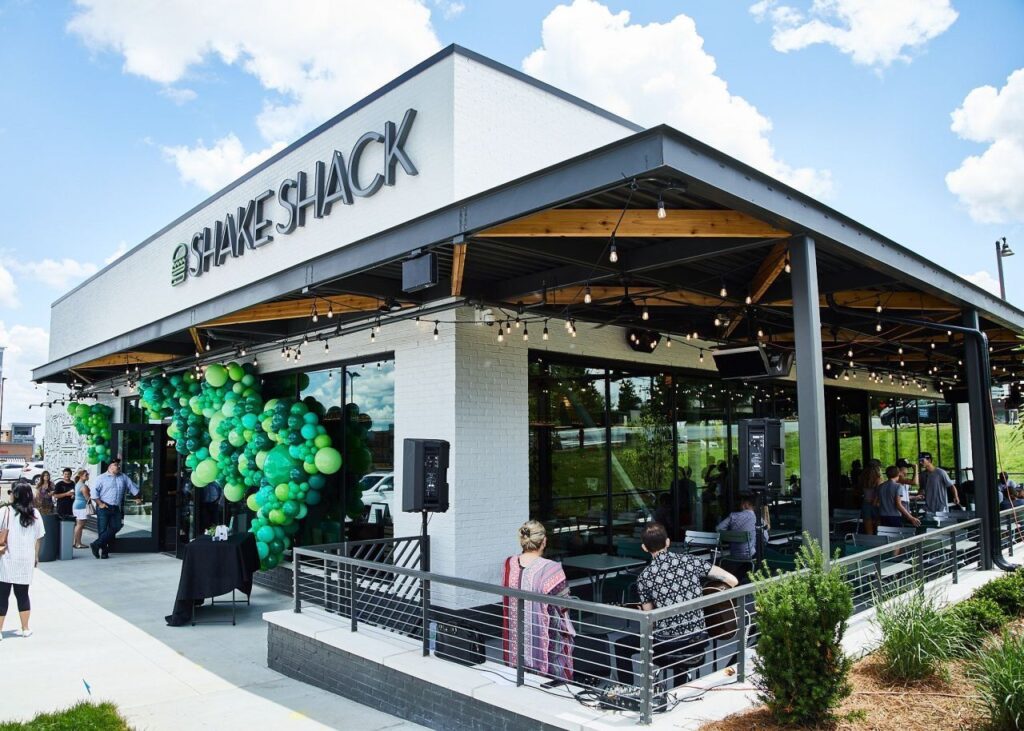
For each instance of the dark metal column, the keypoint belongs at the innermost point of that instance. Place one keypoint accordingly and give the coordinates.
(983, 443)
(810, 390)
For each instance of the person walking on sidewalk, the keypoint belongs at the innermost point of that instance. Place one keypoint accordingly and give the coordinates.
(108, 492)
(25, 531)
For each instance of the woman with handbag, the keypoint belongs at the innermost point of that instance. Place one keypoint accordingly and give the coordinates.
(21, 533)
(82, 505)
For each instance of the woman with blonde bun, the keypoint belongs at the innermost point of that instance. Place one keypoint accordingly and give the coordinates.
(548, 632)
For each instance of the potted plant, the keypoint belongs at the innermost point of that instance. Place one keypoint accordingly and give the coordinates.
(50, 549)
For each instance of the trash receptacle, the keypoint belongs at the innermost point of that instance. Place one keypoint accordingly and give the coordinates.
(50, 548)
(67, 538)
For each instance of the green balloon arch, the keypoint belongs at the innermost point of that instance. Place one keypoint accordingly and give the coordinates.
(273, 454)
(93, 423)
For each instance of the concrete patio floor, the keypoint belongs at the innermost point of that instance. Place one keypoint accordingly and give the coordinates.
(102, 623)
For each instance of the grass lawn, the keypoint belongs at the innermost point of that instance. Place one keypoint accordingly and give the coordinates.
(79, 717)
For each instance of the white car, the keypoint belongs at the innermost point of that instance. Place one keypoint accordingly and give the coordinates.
(378, 487)
(11, 470)
(33, 470)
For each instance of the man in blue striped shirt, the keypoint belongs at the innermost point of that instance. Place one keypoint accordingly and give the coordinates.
(108, 491)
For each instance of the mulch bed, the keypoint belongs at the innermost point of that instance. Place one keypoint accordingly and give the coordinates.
(878, 703)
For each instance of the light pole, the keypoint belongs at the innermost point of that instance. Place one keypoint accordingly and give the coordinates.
(2, 382)
(1002, 250)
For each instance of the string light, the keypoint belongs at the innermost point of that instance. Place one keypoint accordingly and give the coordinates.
(587, 299)
(327, 347)
(613, 252)
(645, 315)
(373, 336)
(330, 311)
(501, 334)
(878, 306)
(718, 320)
(668, 341)
(878, 326)
(526, 333)
(316, 315)
(545, 335)
(760, 333)
(508, 327)
(662, 213)
(723, 292)
(436, 322)
(749, 300)
(788, 267)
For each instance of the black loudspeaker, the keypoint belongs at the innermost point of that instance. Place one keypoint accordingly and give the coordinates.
(752, 362)
(419, 273)
(762, 454)
(425, 476)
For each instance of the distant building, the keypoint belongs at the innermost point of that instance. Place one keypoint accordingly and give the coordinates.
(18, 440)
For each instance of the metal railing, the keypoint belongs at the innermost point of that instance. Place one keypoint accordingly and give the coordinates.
(620, 658)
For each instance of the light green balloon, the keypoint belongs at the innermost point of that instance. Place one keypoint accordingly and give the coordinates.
(236, 372)
(215, 446)
(216, 375)
(205, 471)
(234, 492)
(328, 460)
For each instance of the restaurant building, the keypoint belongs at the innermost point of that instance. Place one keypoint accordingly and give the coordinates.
(475, 256)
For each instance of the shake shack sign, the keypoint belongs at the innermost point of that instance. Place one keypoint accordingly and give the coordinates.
(332, 183)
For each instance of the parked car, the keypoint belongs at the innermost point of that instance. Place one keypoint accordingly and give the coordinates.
(381, 487)
(11, 470)
(913, 412)
(32, 471)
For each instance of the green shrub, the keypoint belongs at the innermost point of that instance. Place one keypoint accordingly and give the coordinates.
(998, 674)
(79, 717)
(979, 617)
(917, 636)
(802, 671)
(1006, 591)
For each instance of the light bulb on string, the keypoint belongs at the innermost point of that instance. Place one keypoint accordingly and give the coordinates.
(760, 333)
(316, 315)
(517, 322)
(526, 333)
(878, 326)
(788, 267)
(662, 213)
(545, 334)
(749, 300)
(435, 329)
(330, 311)
(508, 327)
(327, 347)
(723, 292)
(701, 355)
(501, 335)
(645, 315)
(613, 252)
(718, 321)
(668, 342)
(587, 298)
(373, 336)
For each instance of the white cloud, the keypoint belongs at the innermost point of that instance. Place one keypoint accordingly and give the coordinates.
(984, 280)
(658, 73)
(8, 289)
(991, 185)
(24, 348)
(121, 250)
(872, 32)
(312, 61)
(178, 95)
(56, 274)
(211, 168)
(450, 8)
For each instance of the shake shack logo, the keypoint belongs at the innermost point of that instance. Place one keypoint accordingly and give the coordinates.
(334, 182)
(179, 264)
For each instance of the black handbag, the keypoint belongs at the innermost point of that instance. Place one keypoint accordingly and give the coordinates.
(458, 643)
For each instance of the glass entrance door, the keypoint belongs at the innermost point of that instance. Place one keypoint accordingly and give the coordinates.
(141, 448)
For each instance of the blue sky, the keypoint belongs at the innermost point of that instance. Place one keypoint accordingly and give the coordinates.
(114, 125)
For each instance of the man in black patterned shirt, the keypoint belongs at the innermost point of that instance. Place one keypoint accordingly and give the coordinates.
(670, 578)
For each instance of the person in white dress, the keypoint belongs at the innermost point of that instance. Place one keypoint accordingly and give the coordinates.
(25, 532)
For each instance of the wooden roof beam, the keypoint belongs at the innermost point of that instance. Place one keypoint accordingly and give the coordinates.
(293, 309)
(771, 267)
(458, 268)
(637, 223)
(128, 358)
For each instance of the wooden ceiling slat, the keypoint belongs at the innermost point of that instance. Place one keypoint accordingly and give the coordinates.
(600, 222)
(293, 309)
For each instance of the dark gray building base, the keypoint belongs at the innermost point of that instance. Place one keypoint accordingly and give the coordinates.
(383, 688)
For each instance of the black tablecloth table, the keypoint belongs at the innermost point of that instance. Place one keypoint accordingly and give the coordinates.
(212, 568)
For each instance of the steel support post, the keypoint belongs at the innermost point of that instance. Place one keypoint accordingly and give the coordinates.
(810, 390)
(983, 438)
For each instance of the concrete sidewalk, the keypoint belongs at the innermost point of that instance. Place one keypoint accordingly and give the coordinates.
(102, 623)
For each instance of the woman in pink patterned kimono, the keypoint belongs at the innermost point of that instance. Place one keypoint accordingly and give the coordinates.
(547, 632)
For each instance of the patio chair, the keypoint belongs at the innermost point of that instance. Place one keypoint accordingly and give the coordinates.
(896, 534)
(741, 567)
(841, 516)
(696, 541)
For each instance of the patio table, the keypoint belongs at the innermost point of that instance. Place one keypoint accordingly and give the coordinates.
(597, 567)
